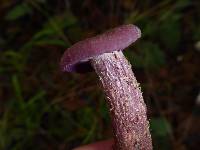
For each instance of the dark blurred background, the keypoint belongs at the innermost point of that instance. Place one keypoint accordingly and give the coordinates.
(44, 109)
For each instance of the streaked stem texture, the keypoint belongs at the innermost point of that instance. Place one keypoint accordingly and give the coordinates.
(126, 104)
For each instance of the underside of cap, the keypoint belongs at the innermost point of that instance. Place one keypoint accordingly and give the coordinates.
(75, 58)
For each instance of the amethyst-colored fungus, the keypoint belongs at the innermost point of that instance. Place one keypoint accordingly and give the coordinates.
(126, 105)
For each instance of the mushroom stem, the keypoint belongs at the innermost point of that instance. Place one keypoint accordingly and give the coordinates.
(126, 104)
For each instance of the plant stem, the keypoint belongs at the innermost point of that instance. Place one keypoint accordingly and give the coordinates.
(126, 104)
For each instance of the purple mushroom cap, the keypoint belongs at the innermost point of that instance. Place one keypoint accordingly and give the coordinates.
(75, 58)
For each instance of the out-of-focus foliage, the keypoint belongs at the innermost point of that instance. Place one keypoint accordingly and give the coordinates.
(161, 129)
(18, 11)
(151, 57)
(42, 108)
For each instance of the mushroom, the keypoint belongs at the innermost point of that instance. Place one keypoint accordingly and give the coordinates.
(127, 109)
